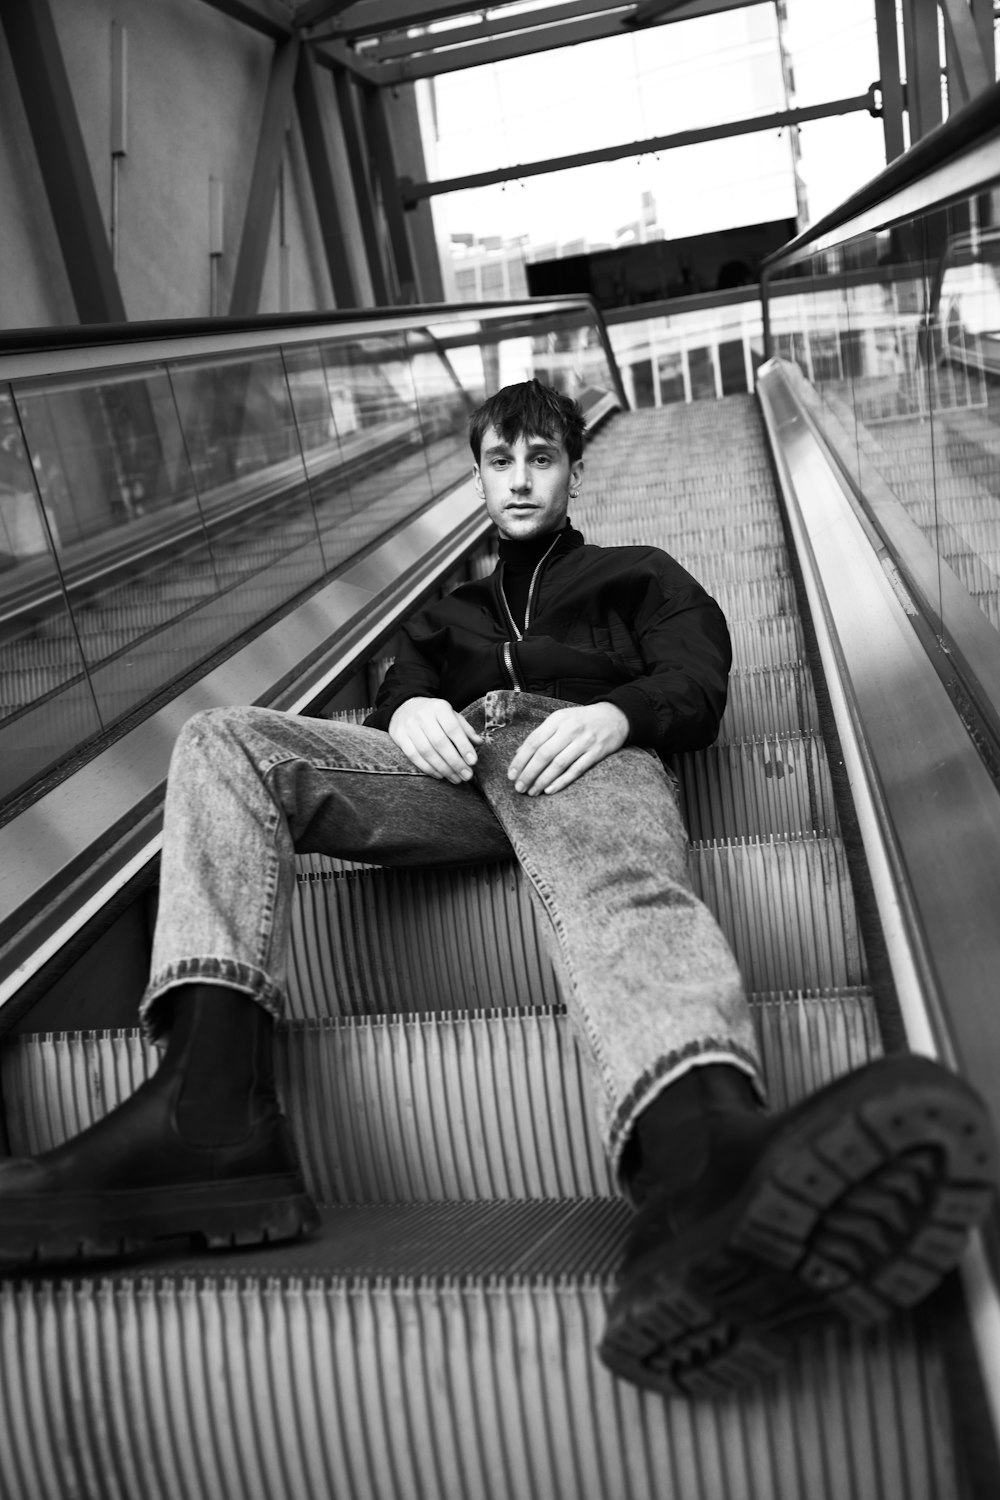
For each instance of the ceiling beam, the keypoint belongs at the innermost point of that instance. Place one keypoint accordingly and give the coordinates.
(373, 17)
(499, 49)
(413, 192)
(313, 12)
(334, 55)
(401, 45)
(261, 15)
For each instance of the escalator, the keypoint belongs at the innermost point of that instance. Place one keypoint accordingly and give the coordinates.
(437, 1338)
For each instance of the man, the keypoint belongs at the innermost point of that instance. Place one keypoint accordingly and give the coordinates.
(527, 712)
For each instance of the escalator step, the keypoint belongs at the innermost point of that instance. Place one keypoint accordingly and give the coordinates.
(421, 1108)
(786, 908)
(276, 1375)
(380, 941)
(769, 701)
(775, 784)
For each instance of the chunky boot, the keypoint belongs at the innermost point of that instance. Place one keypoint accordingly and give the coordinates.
(200, 1149)
(852, 1205)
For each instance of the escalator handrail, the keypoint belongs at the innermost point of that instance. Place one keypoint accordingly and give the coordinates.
(924, 178)
(35, 353)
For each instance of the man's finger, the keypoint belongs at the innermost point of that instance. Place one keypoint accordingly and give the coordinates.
(535, 742)
(549, 760)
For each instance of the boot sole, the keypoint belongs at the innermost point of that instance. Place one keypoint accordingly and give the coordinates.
(859, 1208)
(218, 1215)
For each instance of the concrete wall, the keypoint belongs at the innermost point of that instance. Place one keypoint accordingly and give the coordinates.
(196, 87)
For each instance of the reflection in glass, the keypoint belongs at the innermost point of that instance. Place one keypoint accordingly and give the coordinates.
(384, 473)
(46, 702)
(157, 514)
(444, 407)
(696, 352)
(899, 333)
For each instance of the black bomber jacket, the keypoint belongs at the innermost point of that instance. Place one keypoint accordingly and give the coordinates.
(624, 625)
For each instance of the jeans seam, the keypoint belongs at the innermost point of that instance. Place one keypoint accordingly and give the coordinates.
(545, 896)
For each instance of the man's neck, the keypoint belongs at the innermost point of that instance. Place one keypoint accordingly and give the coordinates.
(522, 553)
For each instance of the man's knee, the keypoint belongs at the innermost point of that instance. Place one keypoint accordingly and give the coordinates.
(216, 732)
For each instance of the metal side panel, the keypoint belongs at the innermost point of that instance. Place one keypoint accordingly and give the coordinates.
(70, 851)
(422, 1108)
(284, 1386)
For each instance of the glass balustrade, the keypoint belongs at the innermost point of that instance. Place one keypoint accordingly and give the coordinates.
(899, 337)
(159, 506)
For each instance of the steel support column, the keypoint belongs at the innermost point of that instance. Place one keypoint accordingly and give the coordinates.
(384, 161)
(890, 85)
(361, 181)
(966, 65)
(923, 67)
(309, 101)
(62, 159)
(248, 277)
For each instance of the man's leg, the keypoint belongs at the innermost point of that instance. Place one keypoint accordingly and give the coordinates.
(202, 1148)
(859, 1200)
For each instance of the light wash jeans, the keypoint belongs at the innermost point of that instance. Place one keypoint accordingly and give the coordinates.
(647, 976)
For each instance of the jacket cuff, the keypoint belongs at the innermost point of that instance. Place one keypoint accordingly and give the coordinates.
(638, 710)
(380, 718)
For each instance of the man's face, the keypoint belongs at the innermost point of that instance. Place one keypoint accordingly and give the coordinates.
(526, 484)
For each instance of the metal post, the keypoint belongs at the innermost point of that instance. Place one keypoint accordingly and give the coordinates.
(361, 182)
(309, 101)
(62, 158)
(923, 66)
(890, 85)
(392, 206)
(248, 277)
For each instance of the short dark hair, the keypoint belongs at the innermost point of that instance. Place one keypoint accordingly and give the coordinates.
(529, 409)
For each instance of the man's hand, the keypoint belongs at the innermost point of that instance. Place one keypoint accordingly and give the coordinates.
(569, 742)
(435, 738)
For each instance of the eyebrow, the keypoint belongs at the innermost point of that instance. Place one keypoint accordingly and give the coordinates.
(535, 445)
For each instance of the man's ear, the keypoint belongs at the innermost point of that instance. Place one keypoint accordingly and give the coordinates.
(576, 473)
(478, 481)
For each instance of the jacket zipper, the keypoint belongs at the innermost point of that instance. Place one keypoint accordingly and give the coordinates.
(508, 656)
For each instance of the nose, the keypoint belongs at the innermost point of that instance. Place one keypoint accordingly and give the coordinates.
(520, 480)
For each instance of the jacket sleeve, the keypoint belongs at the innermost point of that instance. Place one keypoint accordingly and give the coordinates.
(678, 702)
(413, 674)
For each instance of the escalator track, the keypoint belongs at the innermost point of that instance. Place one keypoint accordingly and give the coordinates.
(437, 1338)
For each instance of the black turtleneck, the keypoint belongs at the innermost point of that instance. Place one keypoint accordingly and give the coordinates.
(520, 559)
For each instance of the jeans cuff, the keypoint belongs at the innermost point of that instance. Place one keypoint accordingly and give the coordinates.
(227, 972)
(665, 1071)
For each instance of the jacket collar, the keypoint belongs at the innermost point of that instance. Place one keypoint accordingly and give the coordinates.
(568, 538)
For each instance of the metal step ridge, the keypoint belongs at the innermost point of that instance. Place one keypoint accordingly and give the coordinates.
(767, 561)
(285, 1379)
(769, 700)
(424, 1107)
(375, 940)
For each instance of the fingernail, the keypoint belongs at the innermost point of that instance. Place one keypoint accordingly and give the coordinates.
(519, 786)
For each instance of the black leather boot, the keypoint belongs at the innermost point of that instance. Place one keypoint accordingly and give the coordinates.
(200, 1149)
(853, 1204)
